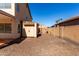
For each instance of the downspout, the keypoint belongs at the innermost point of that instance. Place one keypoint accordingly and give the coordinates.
(21, 23)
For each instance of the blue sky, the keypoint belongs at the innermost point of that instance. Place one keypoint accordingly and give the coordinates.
(48, 13)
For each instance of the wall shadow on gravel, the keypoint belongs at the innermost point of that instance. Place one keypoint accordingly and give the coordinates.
(14, 41)
(69, 40)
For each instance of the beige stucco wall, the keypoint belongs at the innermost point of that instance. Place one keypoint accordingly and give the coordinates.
(30, 31)
(20, 15)
(14, 33)
(24, 11)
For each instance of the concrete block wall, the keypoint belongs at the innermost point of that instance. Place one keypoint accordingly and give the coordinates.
(67, 32)
(43, 30)
(71, 32)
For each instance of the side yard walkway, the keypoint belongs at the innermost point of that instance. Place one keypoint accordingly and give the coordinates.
(43, 45)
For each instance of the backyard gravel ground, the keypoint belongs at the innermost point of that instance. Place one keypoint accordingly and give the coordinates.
(44, 45)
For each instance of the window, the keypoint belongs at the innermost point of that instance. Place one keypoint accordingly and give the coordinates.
(8, 28)
(5, 5)
(1, 28)
(5, 28)
(17, 8)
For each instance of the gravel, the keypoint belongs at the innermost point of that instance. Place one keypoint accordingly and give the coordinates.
(44, 45)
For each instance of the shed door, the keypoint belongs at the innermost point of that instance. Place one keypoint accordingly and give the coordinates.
(29, 31)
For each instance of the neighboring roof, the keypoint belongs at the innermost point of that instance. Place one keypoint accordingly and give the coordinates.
(68, 20)
(6, 14)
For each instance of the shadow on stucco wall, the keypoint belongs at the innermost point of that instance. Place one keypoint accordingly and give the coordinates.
(24, 33)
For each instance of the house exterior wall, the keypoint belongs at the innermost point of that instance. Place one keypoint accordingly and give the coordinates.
(22, 15)
(10, 10)
(24, 12)
(14, 26)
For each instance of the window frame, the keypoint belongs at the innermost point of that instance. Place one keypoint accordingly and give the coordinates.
(5, 28)
(5, 5)
(8, 26)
